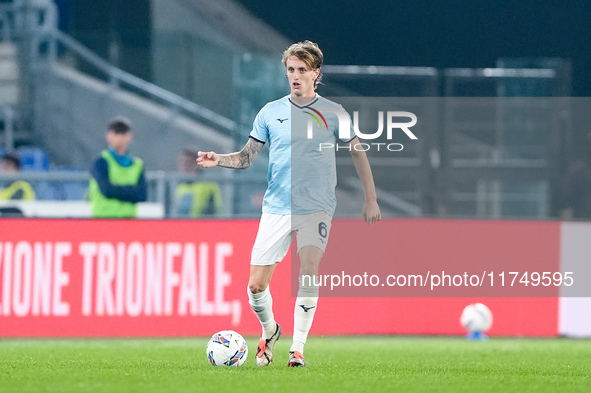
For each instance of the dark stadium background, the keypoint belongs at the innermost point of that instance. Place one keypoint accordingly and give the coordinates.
(459, 33)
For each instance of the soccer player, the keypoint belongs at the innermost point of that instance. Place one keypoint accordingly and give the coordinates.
(300, 197)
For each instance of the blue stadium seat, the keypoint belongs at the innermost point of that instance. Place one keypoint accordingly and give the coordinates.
(33, 158)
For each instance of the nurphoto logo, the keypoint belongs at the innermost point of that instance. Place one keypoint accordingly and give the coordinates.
(392, 123)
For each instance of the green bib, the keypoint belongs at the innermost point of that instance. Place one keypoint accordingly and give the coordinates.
(103, 207)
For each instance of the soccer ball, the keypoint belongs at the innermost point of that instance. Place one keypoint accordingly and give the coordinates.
(476, 318)
(227, 348)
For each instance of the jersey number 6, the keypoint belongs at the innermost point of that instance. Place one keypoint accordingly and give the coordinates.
(322, 230)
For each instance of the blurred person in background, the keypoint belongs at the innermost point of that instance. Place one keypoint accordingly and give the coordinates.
(117, 181)
(196, 198)
(577, 188)
(17, 190)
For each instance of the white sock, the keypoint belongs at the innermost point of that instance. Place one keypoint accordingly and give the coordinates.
(262, 305)
(305, 308)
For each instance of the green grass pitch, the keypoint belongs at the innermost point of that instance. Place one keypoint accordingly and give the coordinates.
(335, 364)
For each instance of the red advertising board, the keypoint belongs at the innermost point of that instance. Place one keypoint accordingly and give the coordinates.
(133, 278)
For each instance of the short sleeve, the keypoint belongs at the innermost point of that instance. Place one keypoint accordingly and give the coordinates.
(260, 131)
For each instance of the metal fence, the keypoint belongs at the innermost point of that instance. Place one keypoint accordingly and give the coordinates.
(61, 185)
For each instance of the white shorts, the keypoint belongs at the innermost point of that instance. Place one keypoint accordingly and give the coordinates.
(276, 233)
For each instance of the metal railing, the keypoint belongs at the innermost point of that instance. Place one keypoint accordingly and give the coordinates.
(64, 185)
(37, 20)
(119, 78)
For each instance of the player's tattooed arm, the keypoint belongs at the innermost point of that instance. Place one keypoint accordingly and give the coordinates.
(244, 158)
(239, 160)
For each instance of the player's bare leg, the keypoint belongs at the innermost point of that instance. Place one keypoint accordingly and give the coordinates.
(306, 303)
(261, 303)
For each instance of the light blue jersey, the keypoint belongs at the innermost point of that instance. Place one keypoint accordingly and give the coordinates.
(301, 177)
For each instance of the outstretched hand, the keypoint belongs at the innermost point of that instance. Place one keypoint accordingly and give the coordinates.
(371, 212)
(207, 159)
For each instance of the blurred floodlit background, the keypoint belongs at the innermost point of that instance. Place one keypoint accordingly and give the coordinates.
(194, 73)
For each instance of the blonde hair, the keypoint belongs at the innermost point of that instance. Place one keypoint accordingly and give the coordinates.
(309, 53)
